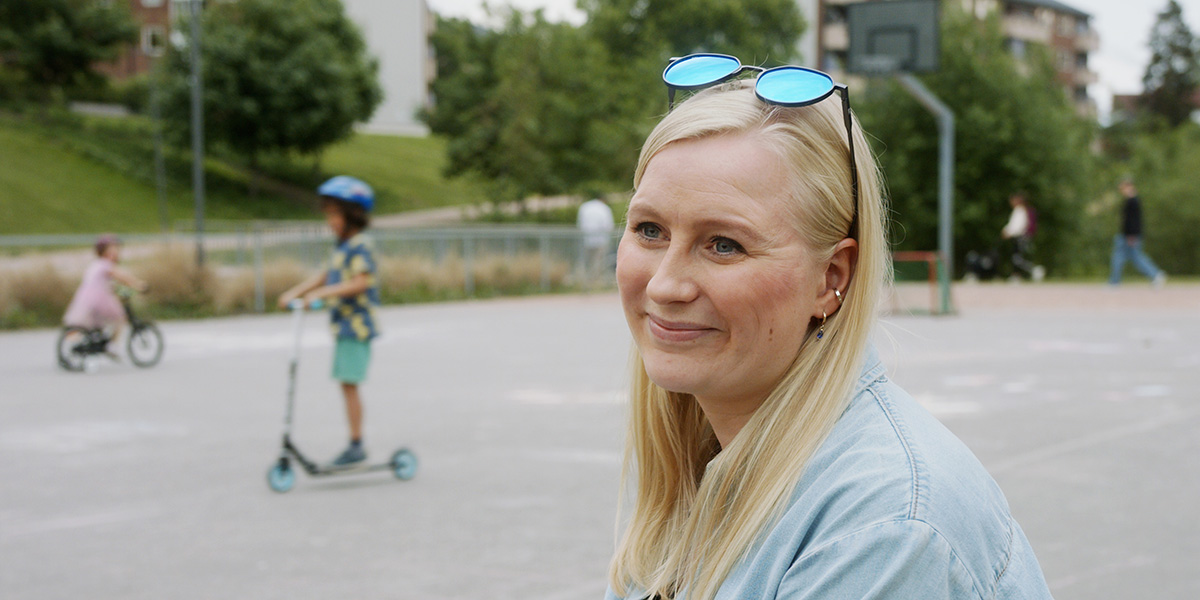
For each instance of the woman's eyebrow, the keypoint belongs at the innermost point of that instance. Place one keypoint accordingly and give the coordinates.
(727, 224)
(732, 225)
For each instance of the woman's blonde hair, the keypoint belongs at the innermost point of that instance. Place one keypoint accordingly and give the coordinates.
(697, 513)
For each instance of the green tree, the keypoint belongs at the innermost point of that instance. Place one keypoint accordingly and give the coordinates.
(279, 75)
(1164, 168)
(530, 108)
(548, 108)
(1173, 75)
(1014, 130)
(756, 31)
(52, 44)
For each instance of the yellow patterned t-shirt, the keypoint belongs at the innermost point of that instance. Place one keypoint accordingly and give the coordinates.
(354, 316)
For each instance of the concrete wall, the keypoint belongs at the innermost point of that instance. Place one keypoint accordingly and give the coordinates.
(397, 33)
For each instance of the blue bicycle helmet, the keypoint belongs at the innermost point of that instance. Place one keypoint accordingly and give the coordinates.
(349, 189)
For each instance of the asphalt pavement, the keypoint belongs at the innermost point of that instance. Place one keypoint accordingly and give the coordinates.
(130, 483)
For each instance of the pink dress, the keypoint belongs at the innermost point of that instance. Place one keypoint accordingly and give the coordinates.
(94, 303)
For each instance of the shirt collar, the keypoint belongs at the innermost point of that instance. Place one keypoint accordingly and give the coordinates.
(872, 369)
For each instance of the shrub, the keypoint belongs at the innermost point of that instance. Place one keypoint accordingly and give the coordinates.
(8, 304)
(176, 281)
(35, 295)
(235, 292)
(418, 278)
(497, 275)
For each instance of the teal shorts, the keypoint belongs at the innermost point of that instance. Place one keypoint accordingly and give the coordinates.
(350, 360)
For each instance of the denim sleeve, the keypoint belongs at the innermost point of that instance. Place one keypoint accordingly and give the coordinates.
(893, 560)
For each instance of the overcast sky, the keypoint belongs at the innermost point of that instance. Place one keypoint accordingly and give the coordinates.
(1123, 26)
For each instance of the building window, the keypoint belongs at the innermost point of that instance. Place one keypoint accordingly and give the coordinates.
(1020, 10)
(1081, 93)
(154, 40)
(1066, 25)
(1017, 48)
(1065, 61)
(1081, 60)
(834, 61)
(835, 15)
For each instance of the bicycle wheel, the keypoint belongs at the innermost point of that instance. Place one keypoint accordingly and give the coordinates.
(72, 347)
(145, 345)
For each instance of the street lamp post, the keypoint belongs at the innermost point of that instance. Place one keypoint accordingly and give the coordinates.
(197, 131)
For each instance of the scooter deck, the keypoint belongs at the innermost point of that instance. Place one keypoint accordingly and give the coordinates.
(363, 467)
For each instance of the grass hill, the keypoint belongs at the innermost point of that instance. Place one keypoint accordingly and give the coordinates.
(74, 174)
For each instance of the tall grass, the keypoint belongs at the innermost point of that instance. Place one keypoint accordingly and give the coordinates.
(177, 283)
(235, 294)
(38, 295)
(34, 295)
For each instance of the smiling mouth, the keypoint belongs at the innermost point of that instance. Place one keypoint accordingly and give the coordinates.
(675, 331)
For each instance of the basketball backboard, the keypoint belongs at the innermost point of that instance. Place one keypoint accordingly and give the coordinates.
(893, 36)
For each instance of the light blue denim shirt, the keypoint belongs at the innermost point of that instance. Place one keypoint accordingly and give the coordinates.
(891, 506)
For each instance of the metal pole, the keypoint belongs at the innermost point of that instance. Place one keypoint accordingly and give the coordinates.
(160, 169)
(544, 255)
(945, 120)
(197, 131)
(469, 265)
(260, 286)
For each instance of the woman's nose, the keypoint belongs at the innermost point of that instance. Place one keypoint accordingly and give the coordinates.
(674, 278)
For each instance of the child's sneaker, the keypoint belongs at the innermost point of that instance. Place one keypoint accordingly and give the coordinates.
(351, 456)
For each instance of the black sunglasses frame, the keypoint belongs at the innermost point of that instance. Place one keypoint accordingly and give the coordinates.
(837, 87)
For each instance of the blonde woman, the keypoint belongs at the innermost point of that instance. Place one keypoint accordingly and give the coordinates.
(769, 456)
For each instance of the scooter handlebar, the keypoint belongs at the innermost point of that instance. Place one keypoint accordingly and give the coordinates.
(298, 304)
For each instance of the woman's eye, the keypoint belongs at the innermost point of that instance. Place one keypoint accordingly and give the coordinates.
(726, 246)
(649, 231)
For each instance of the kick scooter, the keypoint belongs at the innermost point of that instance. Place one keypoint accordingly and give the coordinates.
(281, 477)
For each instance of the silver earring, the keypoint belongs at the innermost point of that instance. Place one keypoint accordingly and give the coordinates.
(837, 295)
(821, 331)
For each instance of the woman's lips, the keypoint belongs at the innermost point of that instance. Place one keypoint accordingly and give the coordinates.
(675, 331)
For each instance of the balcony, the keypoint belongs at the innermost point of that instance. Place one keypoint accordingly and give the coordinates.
(1026, 28)
(1084, 77)
(835, 36)
(1087, 41)
(1086, 107)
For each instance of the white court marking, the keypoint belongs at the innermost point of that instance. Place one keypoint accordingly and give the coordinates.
(69, 438)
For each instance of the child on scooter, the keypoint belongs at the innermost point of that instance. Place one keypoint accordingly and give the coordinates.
(351, 288)
(94, 304)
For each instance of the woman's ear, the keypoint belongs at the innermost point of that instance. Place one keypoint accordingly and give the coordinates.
(838, 275)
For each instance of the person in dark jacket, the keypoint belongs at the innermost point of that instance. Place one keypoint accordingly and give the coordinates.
(1127, 245)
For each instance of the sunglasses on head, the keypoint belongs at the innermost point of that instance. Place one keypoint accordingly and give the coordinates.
(789, 86)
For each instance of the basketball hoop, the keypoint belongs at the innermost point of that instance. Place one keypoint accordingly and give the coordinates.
(879, 65)
(892, 38)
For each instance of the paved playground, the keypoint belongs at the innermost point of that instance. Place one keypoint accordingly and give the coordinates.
(129, 484)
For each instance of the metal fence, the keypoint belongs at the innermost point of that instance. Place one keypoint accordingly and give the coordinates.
(258, 244)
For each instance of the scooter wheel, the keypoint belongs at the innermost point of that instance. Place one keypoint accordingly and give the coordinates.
(281, 478)
(404, 464)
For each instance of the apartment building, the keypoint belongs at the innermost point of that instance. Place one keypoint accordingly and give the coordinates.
(1064, 30)
(154, 18)
(396, 32)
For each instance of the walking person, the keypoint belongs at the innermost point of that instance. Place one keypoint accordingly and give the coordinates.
(1127, 245)
(1019, 231)
(768, 453)
(595, 220)
(351, 286)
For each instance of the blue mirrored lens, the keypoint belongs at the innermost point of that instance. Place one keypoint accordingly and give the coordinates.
(700, 70)
(793, 86)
